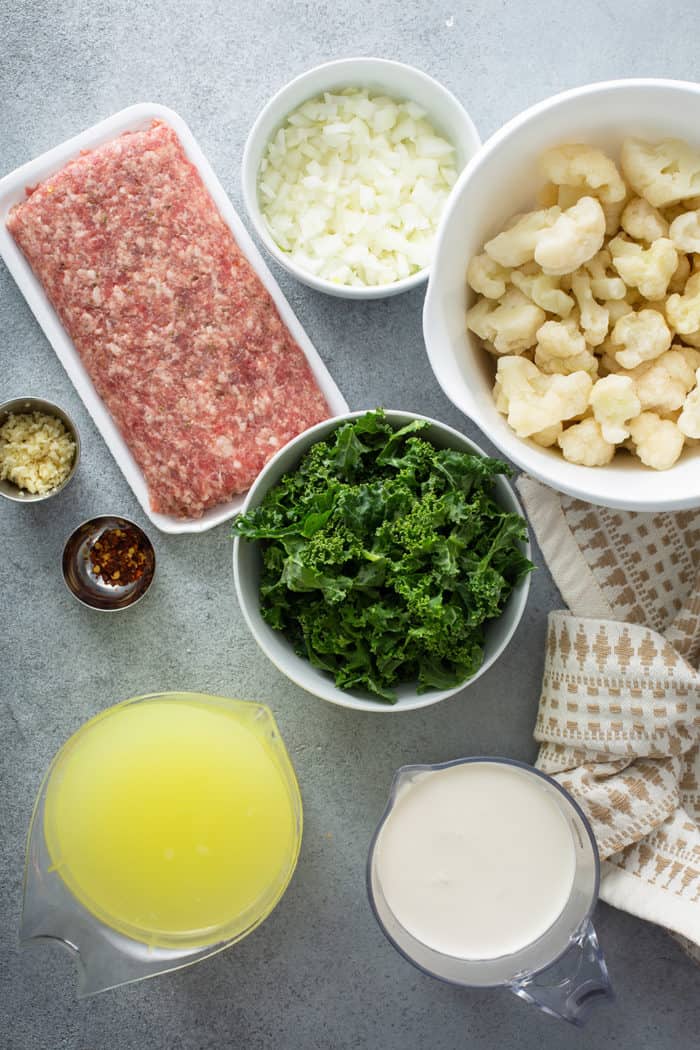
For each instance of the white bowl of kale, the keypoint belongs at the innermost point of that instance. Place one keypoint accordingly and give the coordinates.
(381, 560)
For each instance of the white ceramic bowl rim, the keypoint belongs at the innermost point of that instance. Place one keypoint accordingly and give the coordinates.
(324, 687)
(250, 164)
(517, 450)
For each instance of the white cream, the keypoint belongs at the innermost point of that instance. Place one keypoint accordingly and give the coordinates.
(476, 861)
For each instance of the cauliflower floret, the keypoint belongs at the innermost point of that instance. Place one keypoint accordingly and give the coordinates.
(642, 336)
(547, 438)
(478, 318)
(684, 310)
(689, 419)
(648, 269)
(584, 167)
(510, 324)
(663, 173)
(562, 350)
(566, 366)
(574, 238)
(535, 401)
(487, 277)
(594, 317)
(614, 402)
(642, 221)
(685, 231)
(584, 443)
(658, 442)
(516, 245)
(663, 384)
(603, 285)
(544, 292)
(560, 339)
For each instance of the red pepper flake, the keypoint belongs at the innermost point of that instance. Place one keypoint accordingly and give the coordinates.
(119, 558)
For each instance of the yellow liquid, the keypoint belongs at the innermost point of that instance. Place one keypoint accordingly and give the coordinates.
(175, 821)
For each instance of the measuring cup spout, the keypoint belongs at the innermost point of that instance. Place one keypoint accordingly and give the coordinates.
(573, 984)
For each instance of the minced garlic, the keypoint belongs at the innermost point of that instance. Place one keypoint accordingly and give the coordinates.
(36, 452)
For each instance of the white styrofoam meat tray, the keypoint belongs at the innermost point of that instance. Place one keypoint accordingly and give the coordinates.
(12, 190)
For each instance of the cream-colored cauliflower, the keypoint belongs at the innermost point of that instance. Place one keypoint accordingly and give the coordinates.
(614, 402)
(544, 291)
(658, 442)
(594, 317)
(662, 384)
(510, 324)
(561, 349)
(516, 245)
(642, 221)
(560, 339)
(685, 231)
(683, 311)
(548, 437)
(535, 401)
(584, 443)
(603, 284)
(487, 277)
(642, 337)
(689, 419)
(648, 269)
(478, 318)
(584, 167)
(586, 361)
(662, 173)
(573, 239)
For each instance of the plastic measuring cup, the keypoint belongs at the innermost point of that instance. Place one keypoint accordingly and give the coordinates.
(166, 829)
(562, 970)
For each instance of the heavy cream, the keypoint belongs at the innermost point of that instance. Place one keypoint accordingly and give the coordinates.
(476, 861)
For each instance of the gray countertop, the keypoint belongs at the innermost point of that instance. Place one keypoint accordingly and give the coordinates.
(318, 973)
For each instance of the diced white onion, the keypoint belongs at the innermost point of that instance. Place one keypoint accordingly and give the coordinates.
(353, 185)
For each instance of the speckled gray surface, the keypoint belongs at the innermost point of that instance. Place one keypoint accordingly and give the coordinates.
(318, 973)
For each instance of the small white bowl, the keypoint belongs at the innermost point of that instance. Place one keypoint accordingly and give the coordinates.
(377, 74)
(246, 571)
(502, 180)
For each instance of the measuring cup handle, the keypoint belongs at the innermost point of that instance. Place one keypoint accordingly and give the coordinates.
(571, 985)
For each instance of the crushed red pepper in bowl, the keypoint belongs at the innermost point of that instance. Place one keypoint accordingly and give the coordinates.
(108, 563)
(119, 556)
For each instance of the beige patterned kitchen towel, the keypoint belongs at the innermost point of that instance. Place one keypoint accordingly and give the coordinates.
(619, 715)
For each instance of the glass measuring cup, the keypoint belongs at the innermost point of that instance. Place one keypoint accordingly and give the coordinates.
(165, 830)
(562, 970)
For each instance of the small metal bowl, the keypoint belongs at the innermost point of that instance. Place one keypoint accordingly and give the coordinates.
(21, 405)
(78, 569)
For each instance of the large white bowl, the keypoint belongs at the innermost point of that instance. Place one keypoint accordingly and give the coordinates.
(503, 179)
(246, 570)
(379, 75)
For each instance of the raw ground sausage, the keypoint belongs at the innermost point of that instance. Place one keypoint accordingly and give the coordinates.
(181, 340)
